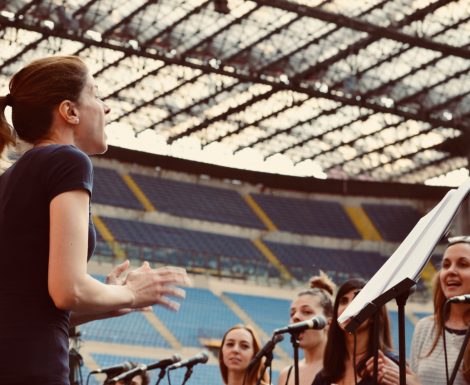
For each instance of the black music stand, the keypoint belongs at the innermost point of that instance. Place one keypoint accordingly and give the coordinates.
(402, 270)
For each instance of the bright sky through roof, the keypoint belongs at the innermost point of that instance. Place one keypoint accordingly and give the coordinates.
(250, 159)
(215, 153)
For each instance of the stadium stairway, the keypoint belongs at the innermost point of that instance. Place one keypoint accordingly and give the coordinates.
(163, 330)
(240, 313)
(363, 224)
(138, 193)
(260, 213)
(109, 238)
(285, 274)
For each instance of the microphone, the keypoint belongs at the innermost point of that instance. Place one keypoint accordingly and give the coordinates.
(460, 299)
(318, 322)
(267, 349)
(200, 358)
(116, 368)
(162, 364)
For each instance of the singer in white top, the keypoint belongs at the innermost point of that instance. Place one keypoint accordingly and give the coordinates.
(427, 348)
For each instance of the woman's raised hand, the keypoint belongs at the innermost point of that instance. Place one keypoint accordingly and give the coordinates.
(154, 286)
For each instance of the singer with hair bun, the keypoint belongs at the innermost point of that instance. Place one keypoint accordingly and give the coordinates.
(315, 301)
(427, 347)
(46, 231)
(239, 346)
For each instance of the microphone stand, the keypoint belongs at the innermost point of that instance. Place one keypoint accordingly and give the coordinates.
(188, 373)
(460, 356)
(160, 375)
(401, 302)
(267, 363)
(294, 339)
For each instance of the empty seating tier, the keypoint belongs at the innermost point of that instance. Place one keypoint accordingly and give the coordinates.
(110, 189)
(305, 261)
(393, 222)
(188, 248)
(303, 216)
(198, 201)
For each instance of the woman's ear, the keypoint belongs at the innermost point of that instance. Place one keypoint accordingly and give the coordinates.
(69, 112)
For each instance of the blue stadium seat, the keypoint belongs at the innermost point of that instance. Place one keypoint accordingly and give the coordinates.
(175, 246)
(110, 189)
(305, 216)
(192, 200)
(202, 315)
(393, 222)
(116, 330)
(305, 261)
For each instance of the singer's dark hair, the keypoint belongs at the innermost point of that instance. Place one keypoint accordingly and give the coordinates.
(144, 375)
(253, 375)
(336, 353)
(440, 318)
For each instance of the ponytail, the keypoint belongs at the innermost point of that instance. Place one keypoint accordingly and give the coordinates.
(7, 136)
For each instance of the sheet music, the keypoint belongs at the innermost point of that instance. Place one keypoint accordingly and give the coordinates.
(413, 253)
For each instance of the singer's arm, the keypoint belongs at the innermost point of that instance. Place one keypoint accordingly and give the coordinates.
(115, 277)
(72, 288)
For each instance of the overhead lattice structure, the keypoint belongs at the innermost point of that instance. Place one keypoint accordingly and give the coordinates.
(376, 89)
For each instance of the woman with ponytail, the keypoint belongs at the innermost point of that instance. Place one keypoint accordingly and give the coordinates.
(428, 358)
(7, 137)
(310, 303)
(46, 232)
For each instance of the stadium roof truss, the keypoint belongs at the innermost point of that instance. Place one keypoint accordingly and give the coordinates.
(370, 89)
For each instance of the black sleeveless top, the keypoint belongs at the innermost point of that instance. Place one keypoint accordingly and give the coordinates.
(288, 375)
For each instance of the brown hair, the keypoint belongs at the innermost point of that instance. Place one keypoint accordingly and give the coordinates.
(254, 374)
(35, 91)
(322, 287)
(440, 318)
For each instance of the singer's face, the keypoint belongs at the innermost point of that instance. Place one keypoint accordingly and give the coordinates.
(455, 271)
(346, 299)
(303, 308)
(238, 349)
(89, 133)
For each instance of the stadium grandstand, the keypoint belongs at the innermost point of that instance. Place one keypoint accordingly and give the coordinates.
(257, 143)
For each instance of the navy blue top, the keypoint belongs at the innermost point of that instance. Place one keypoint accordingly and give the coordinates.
(33, 332)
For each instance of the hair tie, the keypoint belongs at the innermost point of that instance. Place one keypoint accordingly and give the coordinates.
(9, 100)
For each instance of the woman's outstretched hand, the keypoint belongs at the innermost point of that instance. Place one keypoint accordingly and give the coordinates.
(154, 286)
(150, 286)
